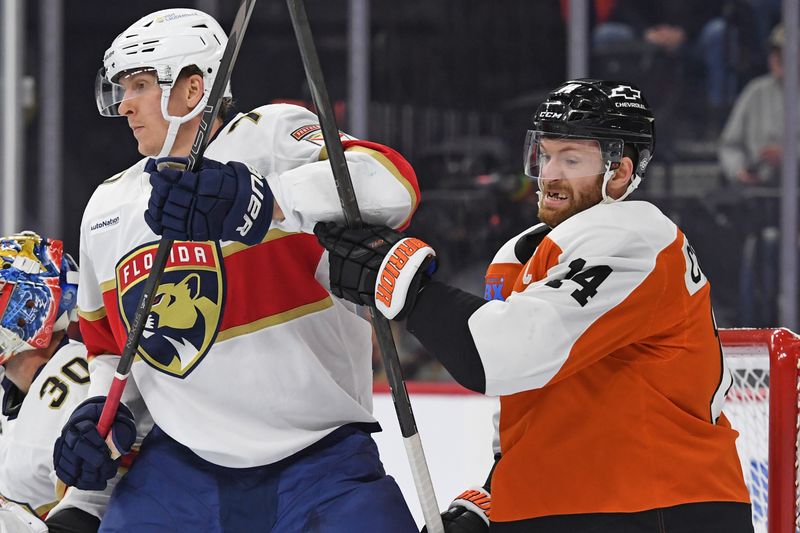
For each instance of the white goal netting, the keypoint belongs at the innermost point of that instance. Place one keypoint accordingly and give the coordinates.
(747, 406)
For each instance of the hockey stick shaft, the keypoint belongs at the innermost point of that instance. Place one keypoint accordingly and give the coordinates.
(201, 139)
(347, 198)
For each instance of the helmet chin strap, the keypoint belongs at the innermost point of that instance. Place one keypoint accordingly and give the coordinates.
(175, 122)
(539, 182)
(607, 175)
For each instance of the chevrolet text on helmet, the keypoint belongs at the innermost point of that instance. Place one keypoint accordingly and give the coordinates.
(165, 42)
(38, 292)
(615, 114)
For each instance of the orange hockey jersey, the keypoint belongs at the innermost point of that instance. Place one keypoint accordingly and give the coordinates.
(605, 353)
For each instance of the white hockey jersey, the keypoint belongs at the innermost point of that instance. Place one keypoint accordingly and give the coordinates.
(26, 446)
(246, 358)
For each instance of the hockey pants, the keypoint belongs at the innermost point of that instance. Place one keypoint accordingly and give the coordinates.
(336, 485)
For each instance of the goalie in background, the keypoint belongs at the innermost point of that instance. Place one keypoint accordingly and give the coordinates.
(259, 382)
(600, 339)
(46, 377)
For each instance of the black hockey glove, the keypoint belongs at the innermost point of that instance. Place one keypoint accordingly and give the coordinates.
(81, 457)
(376, 266)
(469, 513)
(228, 202)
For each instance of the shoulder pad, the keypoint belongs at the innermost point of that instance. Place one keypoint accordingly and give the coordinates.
(114, 178)
(527, 243)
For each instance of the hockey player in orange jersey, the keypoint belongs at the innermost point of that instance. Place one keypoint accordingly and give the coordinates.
(597, 334)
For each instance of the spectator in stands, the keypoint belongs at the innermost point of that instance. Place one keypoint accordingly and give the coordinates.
(677, 32)
(765, 15)
(750, 146)
(750, 154)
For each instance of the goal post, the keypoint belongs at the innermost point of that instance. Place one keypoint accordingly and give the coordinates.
(763, 406)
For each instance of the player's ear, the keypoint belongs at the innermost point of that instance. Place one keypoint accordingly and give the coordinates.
(619, 182)
(194, 89)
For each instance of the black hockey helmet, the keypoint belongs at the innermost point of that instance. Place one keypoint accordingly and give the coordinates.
(598, 109)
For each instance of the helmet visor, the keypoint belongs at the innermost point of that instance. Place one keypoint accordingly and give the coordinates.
(109, 94)
(551, 156)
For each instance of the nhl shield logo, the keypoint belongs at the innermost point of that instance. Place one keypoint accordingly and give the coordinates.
(187, 306)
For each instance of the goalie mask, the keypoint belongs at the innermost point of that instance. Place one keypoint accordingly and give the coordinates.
(161, 44)
(38, 292)
(583, 128)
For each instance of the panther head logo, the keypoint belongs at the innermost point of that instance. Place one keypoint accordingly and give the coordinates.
(187, 305)
(180, 323)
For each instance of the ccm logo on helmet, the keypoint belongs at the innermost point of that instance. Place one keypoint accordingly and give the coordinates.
(550, 114)
(254, 204)
(393, 266)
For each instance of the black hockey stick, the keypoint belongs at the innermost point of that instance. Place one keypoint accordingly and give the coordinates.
(347, 197)
(165, 245)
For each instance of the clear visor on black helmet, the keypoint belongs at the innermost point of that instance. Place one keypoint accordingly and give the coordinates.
(550, 156)
(110, 94)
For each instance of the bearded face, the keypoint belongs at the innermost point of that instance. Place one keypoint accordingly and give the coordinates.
(562, 200)
(571, 178)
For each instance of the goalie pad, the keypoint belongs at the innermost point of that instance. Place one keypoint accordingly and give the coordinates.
(15, 519)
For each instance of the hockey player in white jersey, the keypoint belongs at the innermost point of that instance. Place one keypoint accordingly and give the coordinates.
(46, 376)
(596, 333)
(259, 382)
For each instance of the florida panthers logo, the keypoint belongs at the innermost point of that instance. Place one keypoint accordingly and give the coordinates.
(187, 306)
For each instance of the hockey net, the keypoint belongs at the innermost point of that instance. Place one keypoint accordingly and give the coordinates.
(762, 405)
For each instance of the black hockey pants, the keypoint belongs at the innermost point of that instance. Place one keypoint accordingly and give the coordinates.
(707, 517)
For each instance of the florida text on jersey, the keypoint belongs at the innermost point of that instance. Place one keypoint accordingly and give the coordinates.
(253, 329)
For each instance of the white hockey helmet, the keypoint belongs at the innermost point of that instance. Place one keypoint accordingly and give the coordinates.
(164, 43)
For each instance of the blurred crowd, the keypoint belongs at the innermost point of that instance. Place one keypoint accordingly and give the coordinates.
(712, 71)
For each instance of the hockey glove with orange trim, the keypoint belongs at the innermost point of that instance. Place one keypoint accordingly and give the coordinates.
(228, 202)
(376, 265)
(468, 513)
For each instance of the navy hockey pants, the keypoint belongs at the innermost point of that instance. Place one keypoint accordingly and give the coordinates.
(336, 485)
